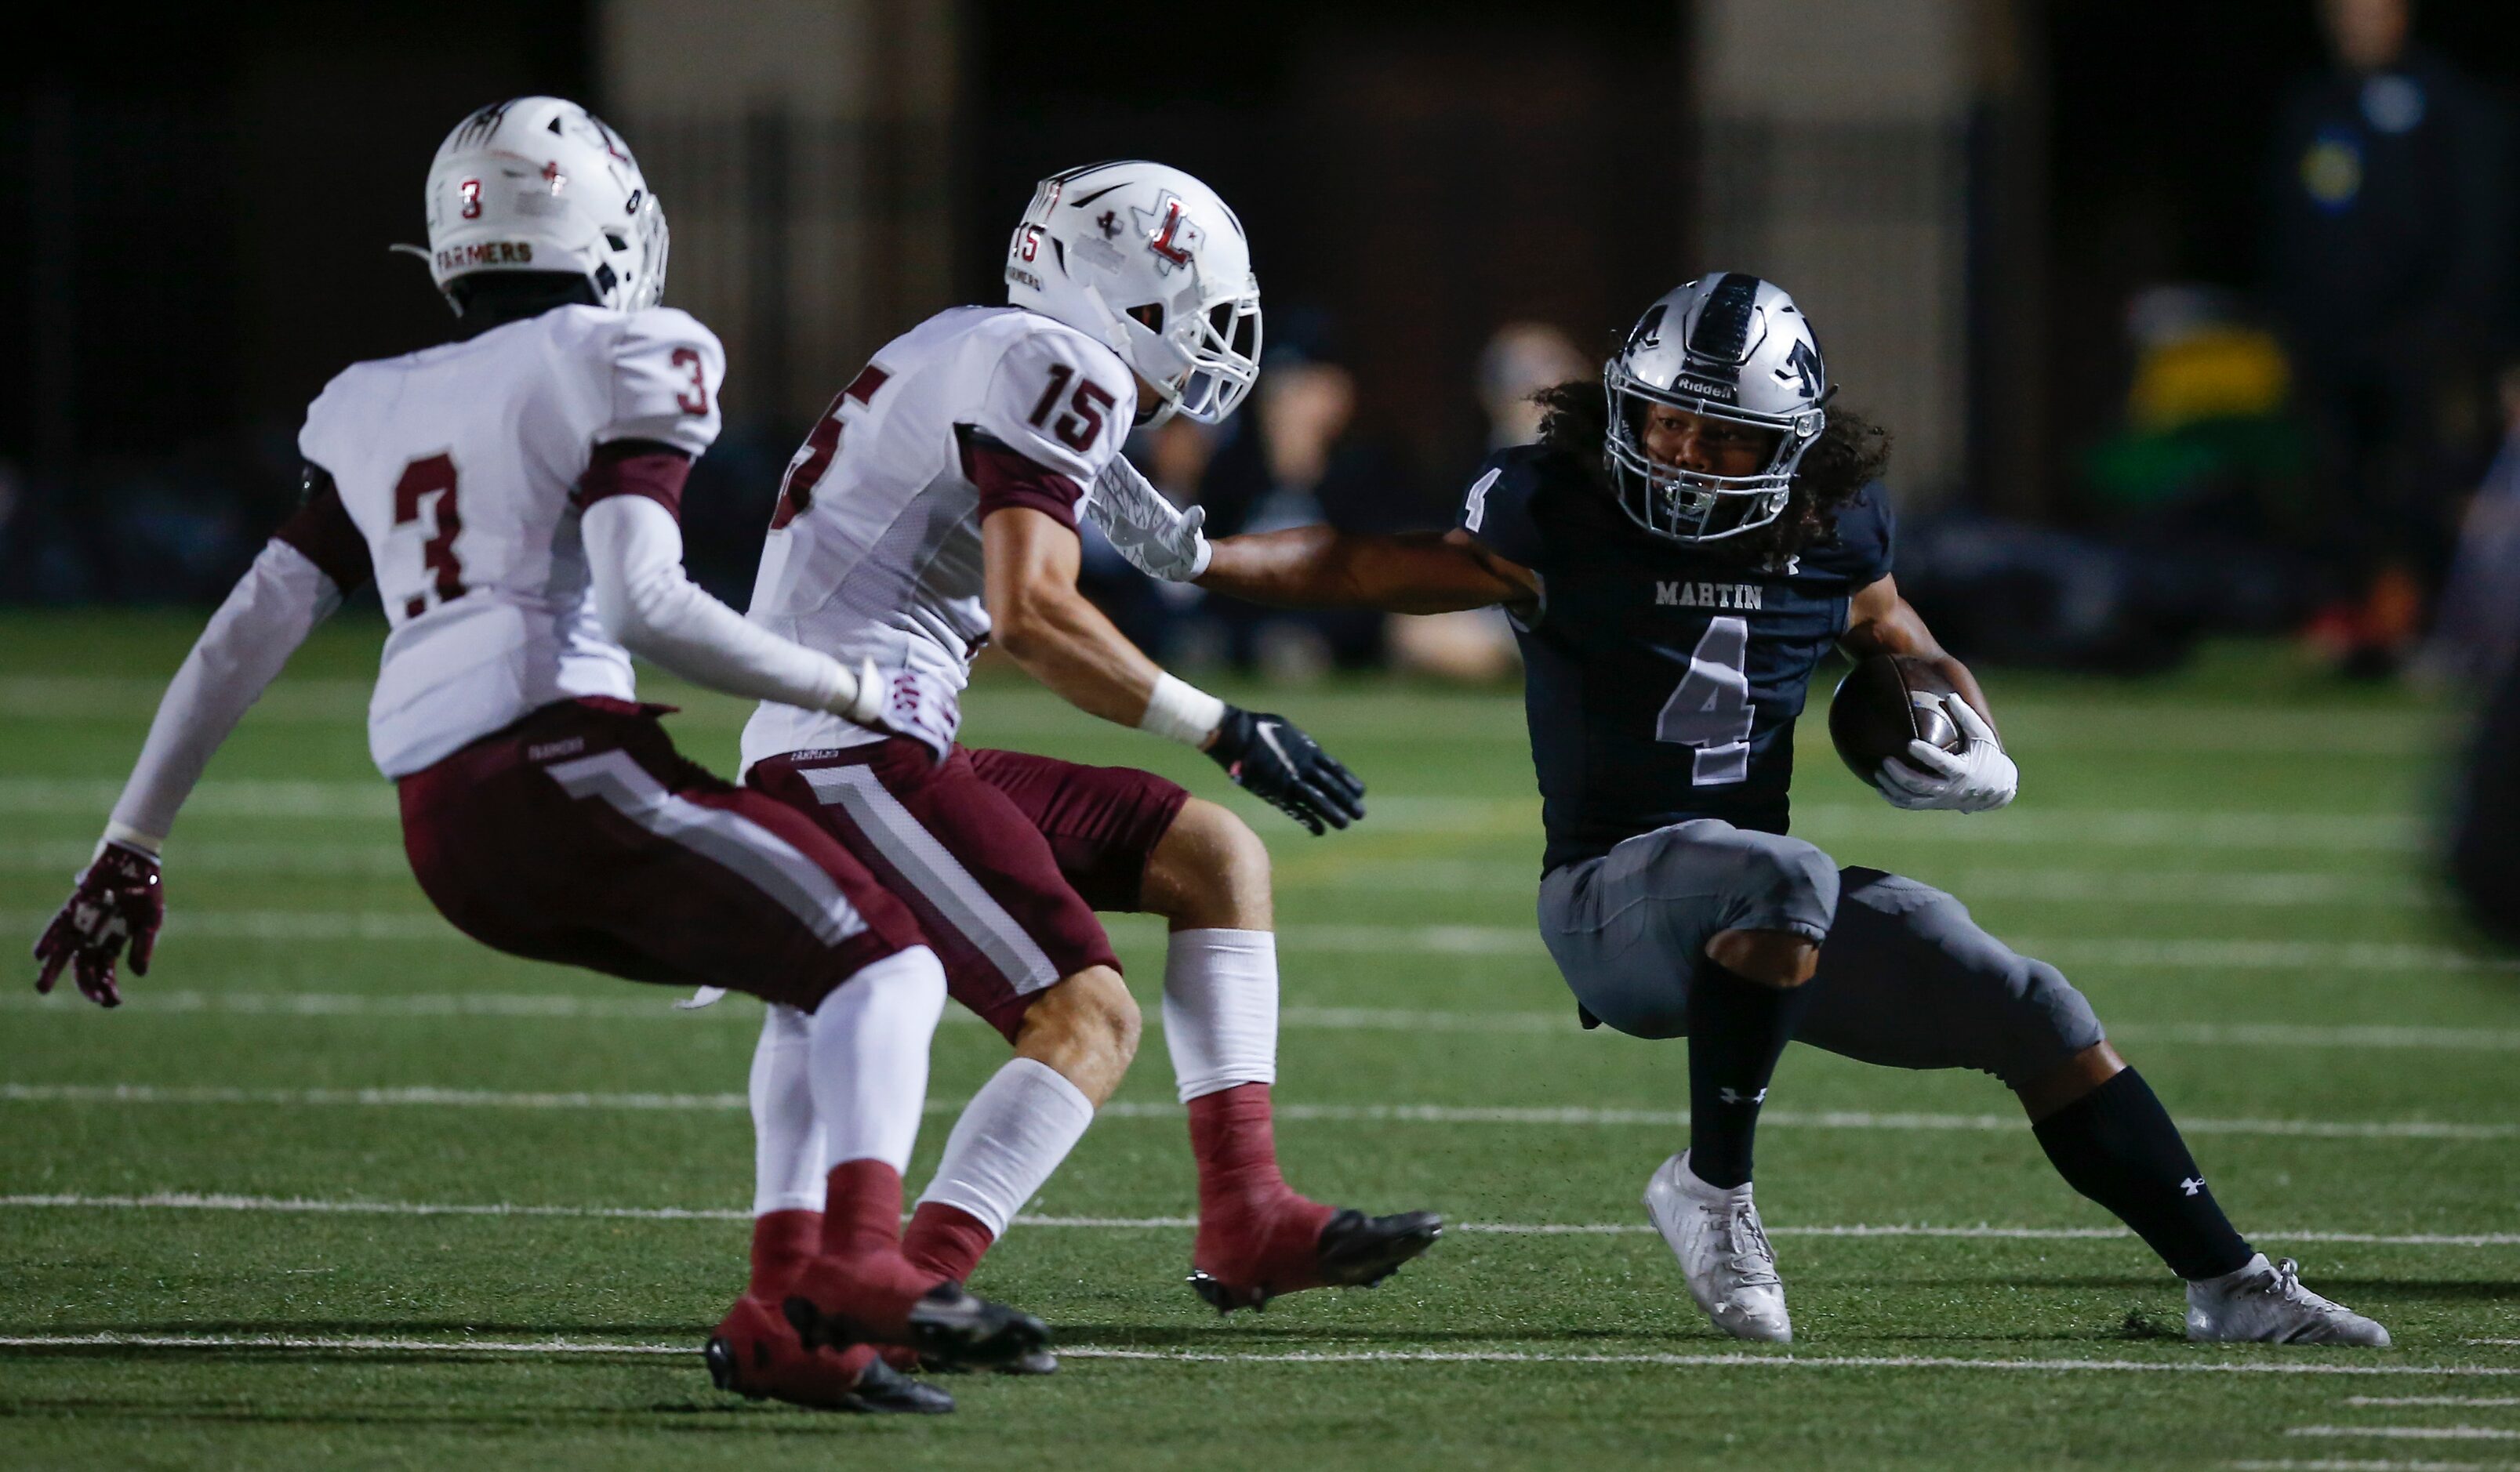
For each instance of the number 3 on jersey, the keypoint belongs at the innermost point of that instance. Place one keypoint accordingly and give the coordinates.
(1710, 710)
(431, 474)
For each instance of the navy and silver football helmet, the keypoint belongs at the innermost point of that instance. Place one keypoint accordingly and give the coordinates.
(1726, 346)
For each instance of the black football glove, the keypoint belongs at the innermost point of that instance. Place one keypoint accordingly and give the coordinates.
(1270, 758)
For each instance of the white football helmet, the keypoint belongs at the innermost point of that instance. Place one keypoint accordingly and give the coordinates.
(540, 184)
(1726, 346)
(1148, 260)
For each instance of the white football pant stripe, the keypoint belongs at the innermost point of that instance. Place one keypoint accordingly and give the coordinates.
(938, 877)
(768, 862)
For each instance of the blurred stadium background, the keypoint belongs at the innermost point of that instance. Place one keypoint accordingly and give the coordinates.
(2190, 320)
(2195, 323)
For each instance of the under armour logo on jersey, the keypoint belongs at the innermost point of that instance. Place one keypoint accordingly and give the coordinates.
(2193, 1184)
(554, 177)
(1108, 223)
(1734, 1096)
(1169, 233)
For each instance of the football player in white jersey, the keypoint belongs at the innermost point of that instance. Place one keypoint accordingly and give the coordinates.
(933, 509)
(513, 494)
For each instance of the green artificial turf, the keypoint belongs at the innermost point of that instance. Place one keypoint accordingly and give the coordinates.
(2230, 861)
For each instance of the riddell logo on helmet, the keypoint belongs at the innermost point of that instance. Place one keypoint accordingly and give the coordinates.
(487, 253)
(1706, 389)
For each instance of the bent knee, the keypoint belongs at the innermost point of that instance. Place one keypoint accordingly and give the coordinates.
(1209, 871)
(1089, 1011)
(2052, 1022)
(1780, 958)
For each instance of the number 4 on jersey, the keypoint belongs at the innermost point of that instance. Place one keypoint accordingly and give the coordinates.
(1710, 710)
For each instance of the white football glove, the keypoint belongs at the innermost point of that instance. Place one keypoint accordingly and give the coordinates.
(1158, 538)
(1979, 778)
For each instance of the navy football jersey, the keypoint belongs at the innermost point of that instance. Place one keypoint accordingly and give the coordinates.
(1661, 682)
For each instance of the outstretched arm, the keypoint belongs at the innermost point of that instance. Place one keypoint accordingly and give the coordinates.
(1979, 777)
(1321, 568)
(1049, 628)
(295, 585)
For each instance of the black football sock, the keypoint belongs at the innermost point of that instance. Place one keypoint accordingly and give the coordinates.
(1738, 1028)
(2117, 1146)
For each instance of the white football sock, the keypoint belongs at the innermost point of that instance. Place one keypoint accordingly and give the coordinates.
(786, 1138)
(1221, 1009)
(869, 1053)
(1012, 1135)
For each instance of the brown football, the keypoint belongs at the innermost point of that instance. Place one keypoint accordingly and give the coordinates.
(1883, 703)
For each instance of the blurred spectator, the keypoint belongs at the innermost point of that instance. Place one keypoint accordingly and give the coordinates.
(2388, 259)
(1520, 361)
(2478, 629)
(1292, 458)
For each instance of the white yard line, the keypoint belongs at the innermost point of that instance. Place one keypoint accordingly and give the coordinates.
(300, 1205)
(1511, 941)
(2357, 1464)
(1429, 1114)
(1731, 1361)
(1505, 817)
(145, 1001)
(2412, 1433)
(2432, 1400)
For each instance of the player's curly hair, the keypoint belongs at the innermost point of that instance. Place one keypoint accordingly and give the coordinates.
(1851, 453)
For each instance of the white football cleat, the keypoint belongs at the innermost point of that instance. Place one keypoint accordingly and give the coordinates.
(1724, 1255)
(2265, 1302)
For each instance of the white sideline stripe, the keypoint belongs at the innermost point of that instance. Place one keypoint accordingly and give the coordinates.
(2358, 1464)
(2412, 1433)
(1433, 1114)
(225, 797)
(2432, 1400)
(932, 869)
(300, 1205)
(2491, 1341)
(1738, 1359)
(1439, 940)
(267, 1004)
(768, 862)
(327, 1342)
(1517, 817)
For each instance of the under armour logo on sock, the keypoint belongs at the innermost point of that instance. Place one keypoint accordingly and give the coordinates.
(1734, 1096)
(2193, 1184)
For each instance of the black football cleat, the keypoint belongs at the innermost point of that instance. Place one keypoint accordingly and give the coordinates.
(949, 1326)
(1030, 1363)
(1353, 1251)
(756, 1355)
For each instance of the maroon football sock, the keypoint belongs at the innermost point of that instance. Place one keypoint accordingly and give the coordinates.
(945, 1240)
(861, 1278)
(1252, 1227)
(782, 1243)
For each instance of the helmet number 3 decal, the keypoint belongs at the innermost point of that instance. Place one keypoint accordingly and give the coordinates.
(1082, 423)
(471, 190)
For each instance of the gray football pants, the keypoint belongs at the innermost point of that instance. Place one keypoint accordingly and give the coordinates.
(1906, 978)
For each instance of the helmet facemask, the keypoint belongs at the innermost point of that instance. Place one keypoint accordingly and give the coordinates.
(1699, 506)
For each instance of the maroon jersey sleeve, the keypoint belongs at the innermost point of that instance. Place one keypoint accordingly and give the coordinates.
(636, 467)
(323, 530)
(1006, 477)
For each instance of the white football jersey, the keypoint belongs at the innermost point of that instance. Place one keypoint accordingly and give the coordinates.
(460, 467)
(875, 552)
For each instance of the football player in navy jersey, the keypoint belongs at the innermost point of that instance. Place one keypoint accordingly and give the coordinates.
(1687, 541)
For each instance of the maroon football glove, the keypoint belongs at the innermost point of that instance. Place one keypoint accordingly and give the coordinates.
(119, 899)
